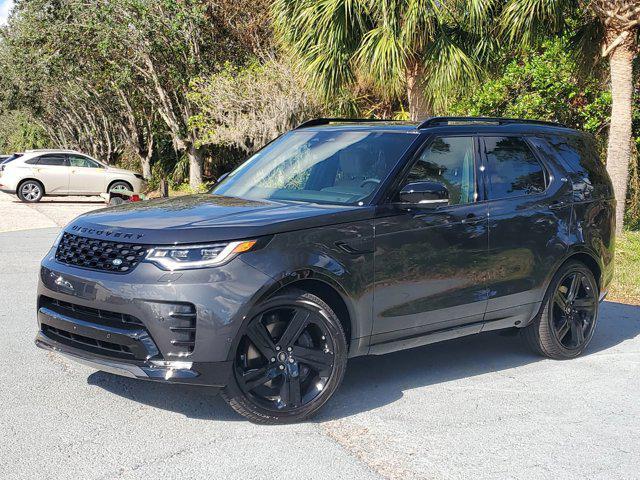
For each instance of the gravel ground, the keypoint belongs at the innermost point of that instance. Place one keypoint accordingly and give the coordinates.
(480, 407)
(49, 212)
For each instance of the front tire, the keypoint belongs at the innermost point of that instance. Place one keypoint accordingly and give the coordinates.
(30, 191)
(120, 185)
(289, 360)
(565, 326)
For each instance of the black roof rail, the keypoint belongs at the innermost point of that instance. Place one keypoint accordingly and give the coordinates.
(434, 121)
(325, 121)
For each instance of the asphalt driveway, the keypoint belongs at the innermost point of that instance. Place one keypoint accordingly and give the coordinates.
(480, 407)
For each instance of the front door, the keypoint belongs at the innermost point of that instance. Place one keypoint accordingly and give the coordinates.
(429, 263)
(87, 177)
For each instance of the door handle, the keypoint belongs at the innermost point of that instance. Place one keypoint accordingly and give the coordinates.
(472, 218)
(345, 247)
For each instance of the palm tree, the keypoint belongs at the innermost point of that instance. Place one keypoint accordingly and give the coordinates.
(613, 27)
(404, 49)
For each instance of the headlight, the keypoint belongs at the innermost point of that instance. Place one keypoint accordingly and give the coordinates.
(56, 242)
(183, 257)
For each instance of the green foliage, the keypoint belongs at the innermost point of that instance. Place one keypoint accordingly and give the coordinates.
(378, 45)
(247, 106)
(111, 77)
(626, 283)
(542, 83)
(548, 82)
(632, 212)
(19, 132)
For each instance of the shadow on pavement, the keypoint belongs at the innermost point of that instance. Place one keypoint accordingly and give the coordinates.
(375, 381)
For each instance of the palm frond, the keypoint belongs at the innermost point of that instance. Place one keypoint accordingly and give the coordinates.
(586, 43)
(452, 65)
(324, 34)
(381, 59)
(526, 21)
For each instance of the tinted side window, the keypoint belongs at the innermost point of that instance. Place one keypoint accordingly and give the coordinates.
(449, 161)
(579, 156)
(512, 168)
(78, 161)
(52, 160)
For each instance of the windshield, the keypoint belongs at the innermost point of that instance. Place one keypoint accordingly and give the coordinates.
(328, 166)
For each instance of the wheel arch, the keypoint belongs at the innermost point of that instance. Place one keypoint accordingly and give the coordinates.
(119, 180)
(586, 257)
(324, 288)
(580, 254)
(21, 182)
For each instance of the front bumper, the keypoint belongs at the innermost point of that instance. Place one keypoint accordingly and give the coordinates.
(131, 324)
(214, 374)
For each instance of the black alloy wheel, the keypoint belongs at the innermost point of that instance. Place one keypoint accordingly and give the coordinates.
(574, 310)
(567, 321)
(289, 360)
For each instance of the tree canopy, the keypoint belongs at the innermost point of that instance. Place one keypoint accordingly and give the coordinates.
(187, 88)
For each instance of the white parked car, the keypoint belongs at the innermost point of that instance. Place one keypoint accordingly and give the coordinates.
(63, 172)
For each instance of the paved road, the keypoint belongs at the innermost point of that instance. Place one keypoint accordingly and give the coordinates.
(50, 212)
(479, 407)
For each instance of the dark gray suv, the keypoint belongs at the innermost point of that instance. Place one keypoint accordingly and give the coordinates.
(341, 238)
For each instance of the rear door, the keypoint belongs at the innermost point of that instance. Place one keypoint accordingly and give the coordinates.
(529, 205)
(87, 176)
(53, 171)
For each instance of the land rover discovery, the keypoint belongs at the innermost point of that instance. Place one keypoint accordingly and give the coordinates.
(341, 238)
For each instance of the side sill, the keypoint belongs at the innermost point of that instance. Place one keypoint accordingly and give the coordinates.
(440, 336)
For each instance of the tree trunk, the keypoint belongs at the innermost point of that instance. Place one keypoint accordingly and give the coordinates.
(418, 105)
(196, 164)
(146, 166)
(145, 155)
(619, 148)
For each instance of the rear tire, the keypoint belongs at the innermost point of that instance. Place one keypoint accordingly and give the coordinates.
(30, 191)
(289, 360)
(565, 325)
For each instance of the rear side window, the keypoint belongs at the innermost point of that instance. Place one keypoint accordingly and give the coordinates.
(11, 158)
(579, 157)
(51, 160)
(512, 168)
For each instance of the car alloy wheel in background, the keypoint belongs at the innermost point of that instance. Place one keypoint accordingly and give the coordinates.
(30, 191)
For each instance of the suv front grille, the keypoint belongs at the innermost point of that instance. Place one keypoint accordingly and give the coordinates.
(101, 317)
(86, 343)
(99, 331)
(96, 254)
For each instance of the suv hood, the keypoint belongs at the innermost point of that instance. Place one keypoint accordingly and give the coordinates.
(118, 170)
(208, 218)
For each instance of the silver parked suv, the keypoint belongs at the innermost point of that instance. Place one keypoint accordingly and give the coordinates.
(63, 172)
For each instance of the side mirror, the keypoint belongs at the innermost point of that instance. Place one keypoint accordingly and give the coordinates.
(425, 194)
